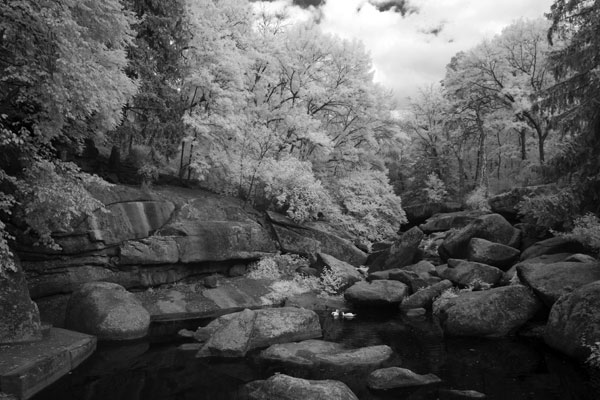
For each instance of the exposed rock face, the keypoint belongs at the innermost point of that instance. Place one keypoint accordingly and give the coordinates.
(551, 281)
(232, 335)
(424, 298)
(492, 227)
(321, 354)
(574, 321)
(418, 213)
(396, 377)
(376, 293)
(494, 254)
(19, 316)
(345, 271)
(311, 238)
(447, 221)
(489, 313)
(552, 246)
(401, 253)
(285, 387)
(464, 273)
(108, 311)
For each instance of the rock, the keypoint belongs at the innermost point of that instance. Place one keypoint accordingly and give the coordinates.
(415, 312)
(421, 267)
(313, 301)
(543, 259)
(418, 213)
(153, 250)
(489, 313)
(464, 273)
(448, 221)
(453, 394)
(424, 298)
(211, 281)
(574, 322)
(492, 227)
(308, 271)
(506, 203)
(550, 281)
(396, 377)
(401, 253)
(376, 293)
(19, 316)
(346, 272)
(552, 246)
(237, 270)
(234, 334)
(313, 238)
(582, 258)
(107, 311)
(494, 254)
(284, 387)
(329, 355)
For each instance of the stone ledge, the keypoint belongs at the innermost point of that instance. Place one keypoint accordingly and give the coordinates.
(25, 369)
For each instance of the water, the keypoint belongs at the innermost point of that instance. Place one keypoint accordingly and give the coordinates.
(514, 369)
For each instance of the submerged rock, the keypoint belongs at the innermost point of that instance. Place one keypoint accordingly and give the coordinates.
(233, 335)
(107, 311)
(489, 313)
(574, 322)
(550, 281)
(396, 377)
(284, 387)
(329, 355)
(376, 293)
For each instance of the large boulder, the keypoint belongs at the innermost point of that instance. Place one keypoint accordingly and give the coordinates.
(489, 313)
(494, 254)
(466, 273)
(311, 238)
(327, 355)
(396, 377)
(401, 253)
(348, 274)
(574, 323)
(550, 281)
(447, 221)
(553, 246)
(107, 311)
(424, 297)
(285, 387)
(506, 203)
(376, 293)
(233, 335)
(19, 316)
(492, 227)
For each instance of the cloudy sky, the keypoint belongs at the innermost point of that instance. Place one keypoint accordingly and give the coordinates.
(411, 41)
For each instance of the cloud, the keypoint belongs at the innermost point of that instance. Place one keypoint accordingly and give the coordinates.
(404, 7)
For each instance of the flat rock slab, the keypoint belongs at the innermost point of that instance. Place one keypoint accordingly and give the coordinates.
(395, 377)
(25, 369)
(190, 301)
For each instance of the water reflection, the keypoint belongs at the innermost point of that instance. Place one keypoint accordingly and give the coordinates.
(502, 369)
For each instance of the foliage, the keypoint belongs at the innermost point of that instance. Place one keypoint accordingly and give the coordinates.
(435, 188)
(549, 211)
(331, 282)
(52, 195)
(443, 299)
(478, 285)
(276, 266)
(593, 359)
(586, 229)
(478, 199)
(370, 209)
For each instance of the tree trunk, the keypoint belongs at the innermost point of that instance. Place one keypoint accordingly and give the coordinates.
(480, 169)
(542, 155)
(523, 144)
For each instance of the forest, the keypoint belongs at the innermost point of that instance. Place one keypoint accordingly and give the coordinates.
(287, 117)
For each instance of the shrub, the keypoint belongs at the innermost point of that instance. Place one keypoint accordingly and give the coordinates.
(478, 200)
(549, 211)
(593, 359)
(370, 209)
(443, 298)
(586, 229)
(435, 189)
(331, 282)
(276, 267)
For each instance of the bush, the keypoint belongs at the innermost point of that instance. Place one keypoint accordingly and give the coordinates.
(435, 189)
(370, 209)
(549, 211)
(586, 229)
(276, 267)
(478, 199)
(593, 359)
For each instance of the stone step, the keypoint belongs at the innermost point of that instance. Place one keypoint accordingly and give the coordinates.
(25, 369)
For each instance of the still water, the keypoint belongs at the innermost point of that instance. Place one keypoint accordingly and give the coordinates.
(511, 369)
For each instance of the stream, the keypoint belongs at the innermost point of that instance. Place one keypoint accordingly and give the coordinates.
(510, 368)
